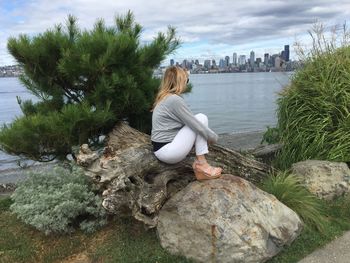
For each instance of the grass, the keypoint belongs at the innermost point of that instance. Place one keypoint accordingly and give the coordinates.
(289, 190)
(125, 240)
(122, 240)
(313, 110)
(338, 221)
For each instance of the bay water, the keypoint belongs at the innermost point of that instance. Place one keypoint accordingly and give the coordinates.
(233, 102)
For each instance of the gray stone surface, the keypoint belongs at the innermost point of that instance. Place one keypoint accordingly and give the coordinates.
(337, 251)
(226, 220)
(325, 179)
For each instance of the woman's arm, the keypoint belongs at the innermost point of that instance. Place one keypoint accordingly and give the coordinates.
(183, 112)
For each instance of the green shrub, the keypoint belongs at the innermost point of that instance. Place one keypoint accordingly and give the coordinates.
(271, 136)
(288, 189)
(57, 201)
(84, 82)
(5, 203)
(314, 110)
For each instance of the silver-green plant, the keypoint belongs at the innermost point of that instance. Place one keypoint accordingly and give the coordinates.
(57, 201)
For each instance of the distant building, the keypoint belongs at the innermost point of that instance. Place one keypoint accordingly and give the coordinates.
(241, 60)
(213, 63)
(266, 58)
(286, 52)
(273, 58)
(252, 58)
(234, 59)
(172, 62)
(11, 71)
(207, 63)
(222, 63)
(227, 61)
(186, 64)
(278, 63)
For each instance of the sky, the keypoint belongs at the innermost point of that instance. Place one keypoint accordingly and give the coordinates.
(208, 29)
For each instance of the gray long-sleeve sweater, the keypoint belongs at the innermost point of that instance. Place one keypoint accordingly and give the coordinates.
(170, 115)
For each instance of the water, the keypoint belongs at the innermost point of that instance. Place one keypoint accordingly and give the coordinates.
(237, 102)
(9, 110)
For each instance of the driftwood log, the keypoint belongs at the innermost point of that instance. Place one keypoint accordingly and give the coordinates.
(135, 182)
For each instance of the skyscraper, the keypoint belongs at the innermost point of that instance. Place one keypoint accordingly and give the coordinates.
(222, 63)
(286, 52)
(241, 60)
(252, 58)
(172, 62)
(273, 58)
(278, 63)
(266, 58)
(234, 59)
(185, 64)
(227, 61)
(207, 63)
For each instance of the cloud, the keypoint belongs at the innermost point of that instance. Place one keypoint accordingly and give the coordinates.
(213, 27)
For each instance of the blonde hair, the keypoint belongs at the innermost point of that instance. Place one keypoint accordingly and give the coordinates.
(174, 81)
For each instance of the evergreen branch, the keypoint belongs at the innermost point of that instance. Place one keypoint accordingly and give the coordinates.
(67, 67)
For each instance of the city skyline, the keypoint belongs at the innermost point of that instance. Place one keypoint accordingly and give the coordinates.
(207, 30)
(240, 63)
(233, 55)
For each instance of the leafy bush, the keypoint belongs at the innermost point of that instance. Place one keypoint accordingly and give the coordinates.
(5, 203)
(271, 135)
(314, 110)
(288, 189)
(56, 201)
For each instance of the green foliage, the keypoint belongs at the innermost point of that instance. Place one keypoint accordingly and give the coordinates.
(5, 203)
(58, 200)
(86, 81)
(310, 239)
(314, 110)
(289, 190)
(271, 136)
(54, 134)
(341, 207)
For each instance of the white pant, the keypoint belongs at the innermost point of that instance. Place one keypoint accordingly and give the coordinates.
(182, 144)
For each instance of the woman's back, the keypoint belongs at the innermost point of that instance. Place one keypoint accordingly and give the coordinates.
(165, 123)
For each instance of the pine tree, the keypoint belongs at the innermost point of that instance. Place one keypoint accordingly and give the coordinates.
(86, 81)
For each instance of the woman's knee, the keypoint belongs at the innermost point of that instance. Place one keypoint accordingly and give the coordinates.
(202, 118)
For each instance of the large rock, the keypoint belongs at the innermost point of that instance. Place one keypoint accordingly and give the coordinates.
(323, 178)
(226, 220)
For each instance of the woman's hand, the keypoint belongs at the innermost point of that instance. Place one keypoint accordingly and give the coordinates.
(213, 140)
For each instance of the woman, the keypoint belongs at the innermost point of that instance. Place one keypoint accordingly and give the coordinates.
(175, 129)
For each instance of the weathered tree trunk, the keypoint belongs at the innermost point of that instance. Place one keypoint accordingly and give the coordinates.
(132, 179)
